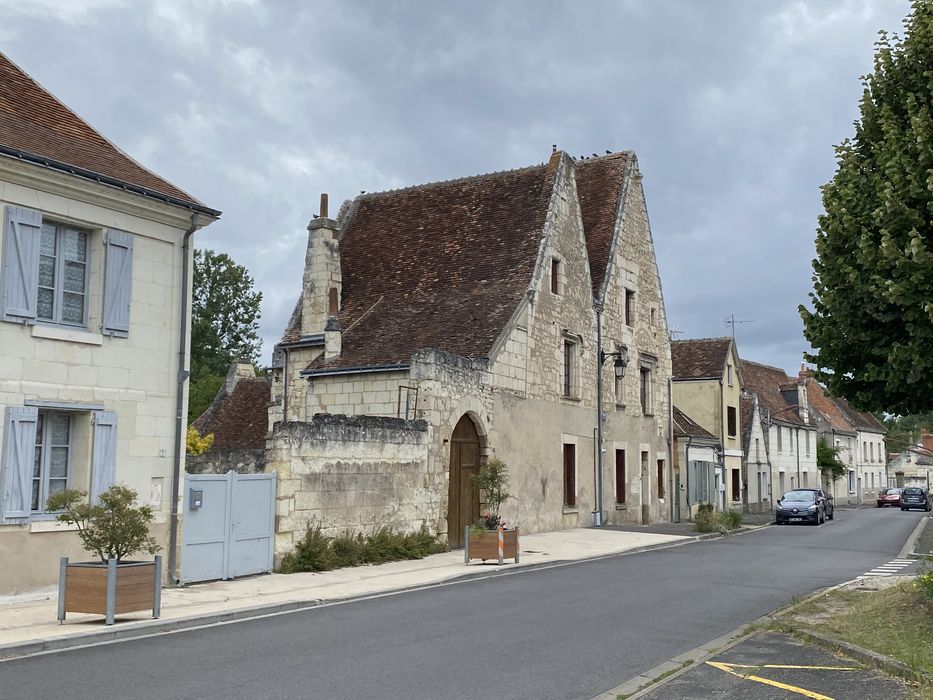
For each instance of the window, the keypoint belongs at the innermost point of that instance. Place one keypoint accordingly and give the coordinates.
(645, 475)
(569, 384)
(555, 276)
(570, 476)
(51, 459)
(736, 485)
(63, 273)
(871, 451)
(729, 374)
(757, 450)
(653, 316)
(806, 440)
(780, 431)
(781, 482)
(47, 450)
(46, 274)
(629, 308)
(731, 421)
(620, 476)
(873, 479)
(806, 478)
(851, 482)
(660, 478)
(645, 389)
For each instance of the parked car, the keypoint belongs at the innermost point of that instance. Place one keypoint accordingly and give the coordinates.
(827, 501)
(889, 497)
(800, 506)
(915, 497)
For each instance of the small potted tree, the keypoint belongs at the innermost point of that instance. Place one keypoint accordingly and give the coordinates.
(490, 538)
(112, 528)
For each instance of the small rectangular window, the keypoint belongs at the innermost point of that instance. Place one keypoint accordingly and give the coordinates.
(757, 450)
(569, 379)
(570, 476)
(736, 485)
(63, 274)
(871, 451)
(729, 374)
(660, 478)
(806, 441)
(629, 308)
(555, 276)
(620, 476)
(645, 389)
(52, 457)
(731, 421)
(780, 440)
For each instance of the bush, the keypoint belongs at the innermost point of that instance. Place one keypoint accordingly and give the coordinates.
(925, 579)
(730, 519)
(708, 520)
(317, 552)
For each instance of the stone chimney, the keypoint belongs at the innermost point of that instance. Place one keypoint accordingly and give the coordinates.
(927, 441)
(239, 369)
(803, 404)
(332, 338)
(321, 288)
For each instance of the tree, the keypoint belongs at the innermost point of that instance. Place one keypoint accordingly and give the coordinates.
(827, 460)
(872, 319)
(224, 324)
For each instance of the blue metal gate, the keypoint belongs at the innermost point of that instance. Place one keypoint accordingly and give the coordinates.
(229, 526)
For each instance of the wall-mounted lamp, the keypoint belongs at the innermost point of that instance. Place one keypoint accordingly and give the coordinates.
(620, 363)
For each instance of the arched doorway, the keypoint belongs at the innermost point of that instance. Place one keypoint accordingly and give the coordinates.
(462, 496)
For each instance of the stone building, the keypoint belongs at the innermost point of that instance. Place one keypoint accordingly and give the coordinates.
(914, 465)
(443, 324)
(94, 308)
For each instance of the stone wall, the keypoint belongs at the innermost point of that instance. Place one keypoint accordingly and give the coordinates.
(356, 473)
(221, 461)
(371, 394)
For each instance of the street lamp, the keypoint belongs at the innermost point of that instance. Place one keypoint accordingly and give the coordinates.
(620, 362)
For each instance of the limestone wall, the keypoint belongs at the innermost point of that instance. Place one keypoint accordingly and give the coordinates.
(355, 473)
(220, 461)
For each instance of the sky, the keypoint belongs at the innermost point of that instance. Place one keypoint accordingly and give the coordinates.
(732, 107)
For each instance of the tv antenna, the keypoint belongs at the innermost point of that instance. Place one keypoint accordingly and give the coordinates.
(731, 321)
(673, 333)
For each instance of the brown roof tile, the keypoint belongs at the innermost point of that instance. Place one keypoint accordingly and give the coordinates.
(33, 121)
(700, 358)
(441, 266)
(766, 382)
(860, 419)
(827, 407)
(599, 187)
(240, 419)
(685, 426)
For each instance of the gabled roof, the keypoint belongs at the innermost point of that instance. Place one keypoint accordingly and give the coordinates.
(699, 358)
(766, 382)
(685, 426)
(239, 419)
(859, 419)
(446, 264)
(36, 127)
(599, 188)
(827, 407)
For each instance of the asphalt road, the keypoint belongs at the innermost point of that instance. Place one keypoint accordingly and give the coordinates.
(572, 631)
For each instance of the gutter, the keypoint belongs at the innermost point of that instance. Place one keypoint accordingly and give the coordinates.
(309, 373)
(183, 374)
(106, 180)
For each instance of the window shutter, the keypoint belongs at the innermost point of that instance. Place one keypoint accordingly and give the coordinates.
(118, 283)
(19, 276)
(104, 461)
(19, 446)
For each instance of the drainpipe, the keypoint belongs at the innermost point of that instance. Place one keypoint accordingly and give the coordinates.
(598, 476)
(670, 447)
(180, 421)
(797, 434)
(687, 478)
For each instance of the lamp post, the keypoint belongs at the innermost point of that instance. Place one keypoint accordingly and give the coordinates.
(619, 364)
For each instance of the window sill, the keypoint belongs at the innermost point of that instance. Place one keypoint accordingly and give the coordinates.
(574, 399)
(621, 506)
(50, 526)
(570, 510)
(71, 335)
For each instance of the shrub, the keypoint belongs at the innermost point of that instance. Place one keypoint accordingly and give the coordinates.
(925, 579)
(705, 519)
(493, 480)
(317, 552)
(112, 528)
(195, 443)
(730, 519)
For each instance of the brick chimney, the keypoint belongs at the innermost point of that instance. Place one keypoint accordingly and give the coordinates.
(322, 277)
(927, 441)
(803, 403)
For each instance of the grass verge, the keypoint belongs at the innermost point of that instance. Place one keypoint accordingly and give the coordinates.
(657, 679)
(896, 621)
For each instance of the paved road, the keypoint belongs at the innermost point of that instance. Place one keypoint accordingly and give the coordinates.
(566, 632)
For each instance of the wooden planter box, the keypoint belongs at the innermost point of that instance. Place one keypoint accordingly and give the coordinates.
(498, 544)
(109, 589)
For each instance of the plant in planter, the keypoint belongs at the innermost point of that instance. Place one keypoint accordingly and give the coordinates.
(490, 538)
(112, 528)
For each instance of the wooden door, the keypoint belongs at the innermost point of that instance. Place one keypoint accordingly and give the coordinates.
(463, 497)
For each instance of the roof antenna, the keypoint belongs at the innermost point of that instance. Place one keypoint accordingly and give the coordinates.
(730, 321)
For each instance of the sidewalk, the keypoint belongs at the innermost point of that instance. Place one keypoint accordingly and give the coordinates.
(28, 623)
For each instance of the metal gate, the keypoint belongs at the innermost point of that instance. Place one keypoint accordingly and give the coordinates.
(229, 526)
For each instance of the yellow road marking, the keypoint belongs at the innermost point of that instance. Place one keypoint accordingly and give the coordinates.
(817, 668)
(767, 681)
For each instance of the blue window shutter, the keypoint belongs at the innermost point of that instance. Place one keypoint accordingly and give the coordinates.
(118, 283)
(104, 460)
(19, 448)
(19, 275)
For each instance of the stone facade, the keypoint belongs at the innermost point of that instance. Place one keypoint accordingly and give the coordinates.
(532, 394)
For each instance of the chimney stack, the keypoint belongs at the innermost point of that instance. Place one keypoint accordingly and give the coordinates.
(927, 441)
(322, 283)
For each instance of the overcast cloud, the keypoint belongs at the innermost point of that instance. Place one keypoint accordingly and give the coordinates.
(256, 107)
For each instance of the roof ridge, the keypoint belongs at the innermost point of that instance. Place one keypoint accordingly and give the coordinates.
(452, 181)
(776, 369)
(702, 340)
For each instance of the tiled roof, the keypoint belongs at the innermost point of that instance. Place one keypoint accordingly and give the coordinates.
(599, 188)
(239, 419)
(685, 426)
(700, 358)
(35, 123)
(766, 383)
(827, 407)
(860, 420)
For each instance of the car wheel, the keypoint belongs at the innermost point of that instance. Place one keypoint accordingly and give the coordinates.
(903, 509)
(832, 514)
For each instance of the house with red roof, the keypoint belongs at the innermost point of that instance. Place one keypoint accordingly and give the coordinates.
(94, 305)
(445, 324)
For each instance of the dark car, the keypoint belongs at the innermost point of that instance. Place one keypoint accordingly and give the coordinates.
(889, 497)
(915, 497)
(826, 499)
(800, 506)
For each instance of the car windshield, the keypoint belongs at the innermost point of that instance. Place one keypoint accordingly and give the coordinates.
(892, 492)
(799, 496)
(913, 491)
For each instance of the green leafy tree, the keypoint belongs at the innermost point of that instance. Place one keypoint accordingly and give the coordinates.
(225, 314)
(904, 430)
(871, 324)
(827, 460)
(113, 528)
